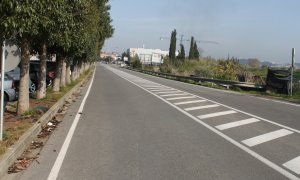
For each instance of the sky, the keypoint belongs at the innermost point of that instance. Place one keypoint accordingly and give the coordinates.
(263, 29)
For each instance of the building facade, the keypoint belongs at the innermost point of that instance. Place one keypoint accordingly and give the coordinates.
(148, 56)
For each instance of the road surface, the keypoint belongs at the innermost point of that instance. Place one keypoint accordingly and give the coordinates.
(129, 126)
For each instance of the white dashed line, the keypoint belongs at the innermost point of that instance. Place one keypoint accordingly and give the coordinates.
(237, 123)
(168, 95)
(223, 113)
(168, 92)
(201, 107)
(177, 98)
(189, 102)
(266, 137)
(293, 165)
(163, 90)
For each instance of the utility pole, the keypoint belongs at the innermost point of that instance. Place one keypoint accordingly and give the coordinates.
(292, 70)
(2, 91)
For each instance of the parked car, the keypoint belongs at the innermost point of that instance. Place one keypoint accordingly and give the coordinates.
(34, 72)
(15, 74)
(9, 89)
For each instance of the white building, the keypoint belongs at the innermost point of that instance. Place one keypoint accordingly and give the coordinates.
(148, 56)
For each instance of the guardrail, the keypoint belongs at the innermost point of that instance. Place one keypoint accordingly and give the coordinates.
(227, 83)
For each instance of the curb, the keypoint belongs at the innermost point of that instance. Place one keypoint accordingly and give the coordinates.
(20, 146)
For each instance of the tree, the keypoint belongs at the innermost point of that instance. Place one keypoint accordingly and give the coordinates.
(181, 54)
(172, 49)
(196, 51)
(192, 49)
(50, 18)
(73, 30)
(21, 23)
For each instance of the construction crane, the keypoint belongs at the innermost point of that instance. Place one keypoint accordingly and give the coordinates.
(182, 39)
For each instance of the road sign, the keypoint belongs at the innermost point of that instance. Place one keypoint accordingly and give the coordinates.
(12, 56)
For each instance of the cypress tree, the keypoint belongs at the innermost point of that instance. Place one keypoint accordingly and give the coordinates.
(172, 50)
(181, 54)
(196, 51)
(191, 53)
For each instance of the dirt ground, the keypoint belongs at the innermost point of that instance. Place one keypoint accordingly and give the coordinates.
(11, 119)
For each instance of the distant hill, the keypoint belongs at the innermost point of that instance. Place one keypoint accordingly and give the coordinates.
(250, 61)
(243, 61)
(267, 63)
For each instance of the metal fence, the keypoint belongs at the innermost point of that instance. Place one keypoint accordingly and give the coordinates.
(226, 83)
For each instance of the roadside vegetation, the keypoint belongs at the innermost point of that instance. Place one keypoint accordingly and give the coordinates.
(230, 68)
(72, 31)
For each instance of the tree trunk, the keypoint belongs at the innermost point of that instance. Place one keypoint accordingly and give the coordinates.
(73, 75)
(23, 101)
(68, 75)
(63, 73)
(56, 83)
(41, 91)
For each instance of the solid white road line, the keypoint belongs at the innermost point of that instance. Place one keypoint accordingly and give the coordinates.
(201, 107)
(177, 98)
(222, 113)
(293, 165)
(62, 153)
(189, 102)
(266, 137)
(168, 95)
(236, 124)
(234, 142)
(167, 92)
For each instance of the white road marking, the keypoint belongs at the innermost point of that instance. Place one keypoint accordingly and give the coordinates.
(189, 102)
(201, 107)
(246, 113)
(162, 89)
(238, 144)
(177, 98)
(222, 113)
(158, 88)
(293, 165)
(266, 137)
(167, 92)
(237, 123)
(62, 153)
(151, 86)
(168, 95)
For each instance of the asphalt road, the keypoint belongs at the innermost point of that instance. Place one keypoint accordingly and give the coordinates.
(135, 126)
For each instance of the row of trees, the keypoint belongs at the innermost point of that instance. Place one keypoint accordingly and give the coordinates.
(73, 30)
(193, 53)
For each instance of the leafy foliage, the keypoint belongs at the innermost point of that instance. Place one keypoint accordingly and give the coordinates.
(72, 29)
